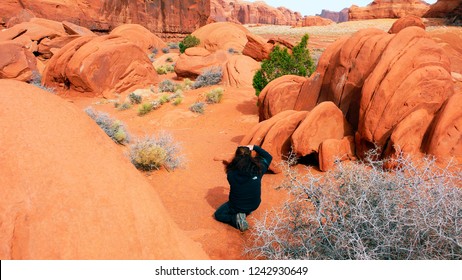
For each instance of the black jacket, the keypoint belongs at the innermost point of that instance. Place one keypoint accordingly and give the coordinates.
(245, 189)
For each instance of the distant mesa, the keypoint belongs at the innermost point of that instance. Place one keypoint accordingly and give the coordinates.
(389, 9)
(338, 17)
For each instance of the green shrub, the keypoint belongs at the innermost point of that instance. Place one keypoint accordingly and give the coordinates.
(164, 99)
(169, 59)
(188, 42)
(177, 101)
(145, 108)
(112, 127)
(197, 107)
(361, 211)
(135, 98)
(154, 152)
(214, 96)
(281, 63)
(209, 77)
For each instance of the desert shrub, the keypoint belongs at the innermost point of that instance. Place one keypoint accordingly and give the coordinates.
(166, 86)
(214, 96)
(135, 98)
(177, 101)
(124, 106)
(154, 51)
(169, 59)
(188, 42)
(154, 152)
(112, 127)
(164, 99)
(173, 45)
(37, 81)
(197, 107)
(164, 69)
(145, 108)
(209, 77)
(165, 50)
(281, 63)
(360, 211)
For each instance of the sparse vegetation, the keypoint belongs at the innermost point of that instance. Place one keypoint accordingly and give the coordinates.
(169, 59)
(188, 42)
(113, 128)
(214, 96)
(145, 108)
(177, 101)
(281, 63)
(135, 98)
(164, 98)
(209, 77)
(154, 152)
(173, 45)
(165, 50)
(166, 86)
(360, 211)
(37, 81)
(124, 106)
(164, 69)
(197, 107)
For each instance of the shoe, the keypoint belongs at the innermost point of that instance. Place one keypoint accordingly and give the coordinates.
(241, 222)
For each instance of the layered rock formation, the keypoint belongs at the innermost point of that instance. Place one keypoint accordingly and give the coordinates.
(450, 9)
(341, 16)
(314, 21)
(396, 91)
(164, 17)
(68, 192)
(389, 9)
(251, 13)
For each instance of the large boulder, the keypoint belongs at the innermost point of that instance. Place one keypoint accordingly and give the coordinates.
(68, 191)
(335, 150)
(222, 36)
(140, 36)
(99, 66)
(413, 73)
(279, 95)
(404, 22)
(389, 9)
(257, 47)
(325, 121)
(239, 71)
(194, 61)
(444, 8)
(16, 62)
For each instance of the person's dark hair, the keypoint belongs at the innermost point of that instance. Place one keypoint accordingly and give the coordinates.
(243, 161)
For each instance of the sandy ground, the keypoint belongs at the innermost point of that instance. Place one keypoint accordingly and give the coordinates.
(193, 193)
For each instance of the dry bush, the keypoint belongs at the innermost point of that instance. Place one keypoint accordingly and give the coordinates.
(360, 211)
(153, 152)
(112, 127)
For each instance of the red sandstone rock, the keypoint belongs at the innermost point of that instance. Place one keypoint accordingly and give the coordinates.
(325, 121)
(389, 9)
(404, 22)
(315, 21)
(74, 29)
(443, 8)
(450, 40)
(413, 73)
(169, 17)
(16, 62)
(23, 15)
(277, 140)
(73, 194)
(239, 71)
(140, 36)
(279, 95)
(338, 17)
(222, 36)
(195, 60)
(257, 47)
(446, 137)
(99, 66)
(332, 150)
(251, 13)
(47, 48)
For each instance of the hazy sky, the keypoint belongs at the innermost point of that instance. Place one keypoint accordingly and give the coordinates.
(312, 7)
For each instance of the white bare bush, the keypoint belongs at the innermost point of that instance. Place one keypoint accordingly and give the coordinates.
(360, 211)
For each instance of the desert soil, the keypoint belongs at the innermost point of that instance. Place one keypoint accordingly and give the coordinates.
(192, 194)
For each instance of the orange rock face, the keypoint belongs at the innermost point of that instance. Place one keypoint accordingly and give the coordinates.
(396, 91)
(68, 199)
(444, 8)
(105, 15)
(257, 47)
(239, 71)
(251, 13)
(196, 60)
(16, 62)
(314, 21)
(140, 36)
(222, 36)
(99, 66)
(332, 150)
(404, 22)
(389, 9)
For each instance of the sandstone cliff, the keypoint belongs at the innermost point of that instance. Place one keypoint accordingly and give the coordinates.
(389, 9)
(341, 16)
(450, 9)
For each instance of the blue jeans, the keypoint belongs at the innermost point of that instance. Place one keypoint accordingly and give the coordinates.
(227, 214)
